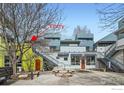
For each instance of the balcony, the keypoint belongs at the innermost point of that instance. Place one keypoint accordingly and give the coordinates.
(72, 49)
(120, 44)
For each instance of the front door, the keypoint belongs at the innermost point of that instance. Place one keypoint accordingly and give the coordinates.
(37, 64)
(82, 63)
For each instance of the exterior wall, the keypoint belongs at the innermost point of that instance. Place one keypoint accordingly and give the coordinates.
(1, 60)
(90, 66)
(121, 24)
(72, 49)
(67, 63)
(120, 43)
(120, 35)
(103, 48)
(25, 59)
(100, 65)
(119, 56)
(54, 43)
(2, 53)
(85, 36)
(53, 39)
(87, 43)
(61, 59)
(29, 58)
(52, 35)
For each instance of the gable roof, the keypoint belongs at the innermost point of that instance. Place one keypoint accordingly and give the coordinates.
(110, 37)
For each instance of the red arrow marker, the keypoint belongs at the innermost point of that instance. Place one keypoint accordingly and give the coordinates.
(34, 38)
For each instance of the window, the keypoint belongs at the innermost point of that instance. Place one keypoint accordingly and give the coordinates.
(90, 60)
(65, 58)
(87, 48)
(7, 61)
(19, 65)
(75, 60)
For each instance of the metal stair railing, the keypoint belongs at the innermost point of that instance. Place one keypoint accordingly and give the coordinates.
(114, 62)
(109, 53)
(50, 58)
(57, 62)
(53, 60)
(112, 68)
(38, 53)
(46, 57)
(110, 50)
(121, 65)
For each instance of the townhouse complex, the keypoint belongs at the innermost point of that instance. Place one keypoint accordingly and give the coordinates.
(79, 52)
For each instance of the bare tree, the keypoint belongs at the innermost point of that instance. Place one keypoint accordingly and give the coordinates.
(20, 22)
(110, 15)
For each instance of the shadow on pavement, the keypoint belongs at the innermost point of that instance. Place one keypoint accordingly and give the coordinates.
(9, 82)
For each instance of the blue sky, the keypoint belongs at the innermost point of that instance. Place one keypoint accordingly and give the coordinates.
(84, 15)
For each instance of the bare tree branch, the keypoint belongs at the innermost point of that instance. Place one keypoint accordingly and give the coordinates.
(21, 21)
(110, 15)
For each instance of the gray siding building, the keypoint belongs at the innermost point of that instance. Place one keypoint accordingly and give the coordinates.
(53, 41)
(85, 37)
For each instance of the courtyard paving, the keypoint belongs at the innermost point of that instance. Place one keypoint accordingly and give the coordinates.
(78, 78)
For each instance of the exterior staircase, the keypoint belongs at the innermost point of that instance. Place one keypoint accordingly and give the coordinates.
(111, 51)
(52, 61)
(115, 65)
(107, 60)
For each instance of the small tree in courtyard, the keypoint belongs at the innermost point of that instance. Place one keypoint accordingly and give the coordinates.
(20, 22)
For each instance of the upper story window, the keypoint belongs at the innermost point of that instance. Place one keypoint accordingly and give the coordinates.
(65, 58)
(87, 48)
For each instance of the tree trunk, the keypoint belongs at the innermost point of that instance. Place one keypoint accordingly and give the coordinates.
(14, 68)
(14, 76)
(14, 61)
